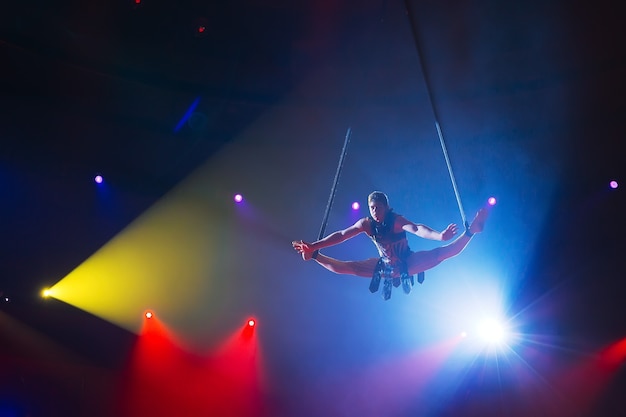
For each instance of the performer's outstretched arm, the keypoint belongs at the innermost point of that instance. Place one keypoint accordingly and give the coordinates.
(332, 239)
(424, 260)
(427, 232)
(417, 262)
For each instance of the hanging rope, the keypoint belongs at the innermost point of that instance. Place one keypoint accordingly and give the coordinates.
(434, 109)
(333, 190)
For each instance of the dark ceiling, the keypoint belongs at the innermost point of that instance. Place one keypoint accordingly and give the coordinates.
(136, 91)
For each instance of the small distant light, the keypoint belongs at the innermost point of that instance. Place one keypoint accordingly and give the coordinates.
(251, 323)
(355, 205)
(6, 299)
(238, 198)
(200, 27)
(491, 201)
(98, 179)
(137, 1)
(46, 293)
(149, 314)
(613, 184)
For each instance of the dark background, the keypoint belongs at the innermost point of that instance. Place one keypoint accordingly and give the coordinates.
(530, 96)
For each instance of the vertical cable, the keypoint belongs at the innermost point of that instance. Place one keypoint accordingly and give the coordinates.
(333, 190)
(434, 109)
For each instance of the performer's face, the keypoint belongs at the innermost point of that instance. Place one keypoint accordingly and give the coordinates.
(378, 210)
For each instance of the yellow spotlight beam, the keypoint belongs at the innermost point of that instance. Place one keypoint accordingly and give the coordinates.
(162, 261)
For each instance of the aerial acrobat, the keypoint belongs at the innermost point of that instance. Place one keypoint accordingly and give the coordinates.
(397, 263)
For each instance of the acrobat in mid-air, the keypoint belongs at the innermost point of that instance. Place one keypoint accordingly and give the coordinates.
(397, 263)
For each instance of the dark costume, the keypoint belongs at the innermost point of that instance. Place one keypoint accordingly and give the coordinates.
(394, 250)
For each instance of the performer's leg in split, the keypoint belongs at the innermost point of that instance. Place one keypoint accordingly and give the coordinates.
(424, 260)
(417, 262)
(363, 268)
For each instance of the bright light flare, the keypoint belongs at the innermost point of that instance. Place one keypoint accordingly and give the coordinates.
(149, 314)
(492, 331)
(613, 184)
(356, 205)
(492, 201)
(238, 198)
(251, 323)
(46, 292)
(98, 179)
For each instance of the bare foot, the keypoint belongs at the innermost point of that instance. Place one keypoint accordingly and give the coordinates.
(478, 223)
(303, 248)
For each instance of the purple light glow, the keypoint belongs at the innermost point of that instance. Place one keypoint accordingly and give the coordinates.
(98, 179)
(613, 184)
(355, 205)
(238, 198)
(492, 201)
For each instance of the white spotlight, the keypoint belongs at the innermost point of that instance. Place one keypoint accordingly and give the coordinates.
(492, 331)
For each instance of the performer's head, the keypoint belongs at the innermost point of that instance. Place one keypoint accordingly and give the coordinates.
(378, 204)
(379, 197)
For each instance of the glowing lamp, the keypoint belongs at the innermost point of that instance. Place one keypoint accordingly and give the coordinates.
(149, 314)
(238, 198)
(492, 331)
(355, 205)
(251, 323)
(491, 201)
(613, 184)
(98, 179)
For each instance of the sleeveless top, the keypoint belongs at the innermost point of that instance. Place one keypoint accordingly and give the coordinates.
(394, 251)
(392, 247)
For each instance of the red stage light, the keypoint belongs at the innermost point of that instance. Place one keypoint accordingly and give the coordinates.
(251, 323)
(149, 314)
(200, 27)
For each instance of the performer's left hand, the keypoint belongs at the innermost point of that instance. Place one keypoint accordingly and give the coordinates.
(450, 232)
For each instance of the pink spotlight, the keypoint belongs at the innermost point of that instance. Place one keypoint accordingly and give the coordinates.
(613, 184)
(355, 205)
(491, 201)
(238, 198)
(98, 179)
